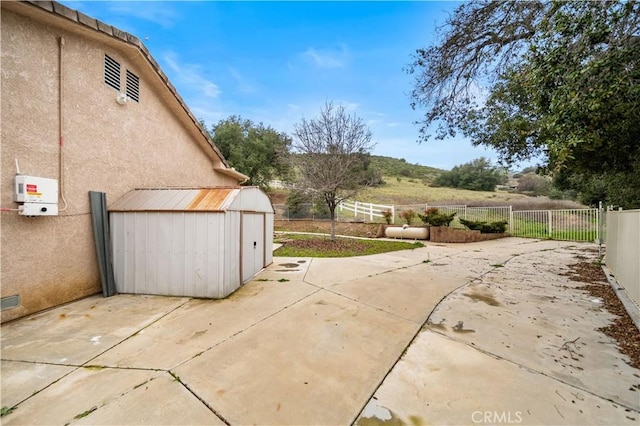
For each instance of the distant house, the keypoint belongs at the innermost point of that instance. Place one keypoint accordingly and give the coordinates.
(83, 103)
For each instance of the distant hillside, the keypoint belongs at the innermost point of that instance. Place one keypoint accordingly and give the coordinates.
(389, 166)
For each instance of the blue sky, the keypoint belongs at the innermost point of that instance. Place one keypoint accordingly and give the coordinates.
(276, 62)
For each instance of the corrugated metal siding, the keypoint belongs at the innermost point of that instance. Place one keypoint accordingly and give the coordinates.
(217, 236)
(231, 276)
(208, 199)
(116, 221)
(251, 199)
(187, 242)
(268, 238)
(176, 254)
(205, 199)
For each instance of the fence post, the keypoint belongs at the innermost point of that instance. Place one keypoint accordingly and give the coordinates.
(355, 209)
(599, 229)
(370, 212)
(393, 214)
(550, 223)
(511, 220)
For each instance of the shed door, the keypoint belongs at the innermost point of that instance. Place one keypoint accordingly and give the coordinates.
(252, 244)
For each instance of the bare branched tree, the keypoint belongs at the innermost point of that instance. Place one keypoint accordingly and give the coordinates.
(330, 156)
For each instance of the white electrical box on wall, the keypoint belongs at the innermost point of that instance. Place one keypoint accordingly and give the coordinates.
(38, 209)
(39, 195)
(35, 189)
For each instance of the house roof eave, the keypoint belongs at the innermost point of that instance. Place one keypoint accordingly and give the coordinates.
(242, 178)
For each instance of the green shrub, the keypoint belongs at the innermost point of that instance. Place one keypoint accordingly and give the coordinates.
(484, 227)
(559, 194)
(534, 184)
(477, 175)
(320, 210)
(297, 204)
(433, 217)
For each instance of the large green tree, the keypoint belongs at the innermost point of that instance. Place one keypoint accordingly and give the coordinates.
(476, 175)
(332, 156)
(256, 150)
(554, 80)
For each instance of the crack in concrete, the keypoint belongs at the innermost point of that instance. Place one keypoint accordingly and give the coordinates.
(213, 410)
(495, 356)
(86, 364)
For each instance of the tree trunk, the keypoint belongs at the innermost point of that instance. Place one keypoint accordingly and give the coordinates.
(332, 216)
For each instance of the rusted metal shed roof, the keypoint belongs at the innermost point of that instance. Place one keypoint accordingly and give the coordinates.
(194, 199)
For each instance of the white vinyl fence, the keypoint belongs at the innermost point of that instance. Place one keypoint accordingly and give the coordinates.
(623, 250)
(566, 224)
(366, 211)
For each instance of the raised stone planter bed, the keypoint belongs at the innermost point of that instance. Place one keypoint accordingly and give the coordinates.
(443, 234)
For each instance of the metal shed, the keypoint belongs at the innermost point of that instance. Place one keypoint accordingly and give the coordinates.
(203, 242)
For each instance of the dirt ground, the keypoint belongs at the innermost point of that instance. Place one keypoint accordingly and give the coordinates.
(622, 329)
(352, 229)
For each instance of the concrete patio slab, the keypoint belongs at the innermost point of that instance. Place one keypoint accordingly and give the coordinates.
(20, 379)
(546, 324)
(286, 268)
(408, 293)
(77, 395)
(310, 341)
(444, 382)
(77, 332)
(329, 271)
(201, 324)
(315, 363)
(160, 401)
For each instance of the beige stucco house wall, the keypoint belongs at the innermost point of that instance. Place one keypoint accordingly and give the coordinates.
(53, 89)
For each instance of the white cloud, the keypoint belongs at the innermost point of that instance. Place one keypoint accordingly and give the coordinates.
(242, 83)
(207, 114)
(159, 13)
(348, 106)
(327, 58)
(191, 76)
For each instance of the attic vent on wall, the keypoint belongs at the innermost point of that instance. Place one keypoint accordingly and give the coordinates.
(112, 73)
(133, 86)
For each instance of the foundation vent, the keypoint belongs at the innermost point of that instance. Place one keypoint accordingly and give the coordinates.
(9, 302)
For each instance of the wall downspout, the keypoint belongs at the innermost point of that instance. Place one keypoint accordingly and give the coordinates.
(61, 125)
